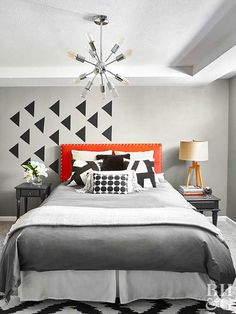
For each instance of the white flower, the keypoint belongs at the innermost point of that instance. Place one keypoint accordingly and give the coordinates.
(39, 169)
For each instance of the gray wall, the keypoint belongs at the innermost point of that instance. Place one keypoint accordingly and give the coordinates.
(231, 205)
(140, 114)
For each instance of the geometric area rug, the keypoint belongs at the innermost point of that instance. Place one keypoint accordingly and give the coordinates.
(137, 307)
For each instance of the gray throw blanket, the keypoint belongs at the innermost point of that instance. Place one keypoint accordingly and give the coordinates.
(152, 230)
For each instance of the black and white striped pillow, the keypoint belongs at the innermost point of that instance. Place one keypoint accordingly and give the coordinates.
(110, 183)
(144, 170)
(80, 169)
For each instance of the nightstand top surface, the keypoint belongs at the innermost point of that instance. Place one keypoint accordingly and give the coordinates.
(201, 198)
(30, 186)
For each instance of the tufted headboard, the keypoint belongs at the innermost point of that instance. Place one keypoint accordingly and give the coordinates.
(67, 148)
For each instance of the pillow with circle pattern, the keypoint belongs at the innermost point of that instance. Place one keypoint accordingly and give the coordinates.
(110, 183)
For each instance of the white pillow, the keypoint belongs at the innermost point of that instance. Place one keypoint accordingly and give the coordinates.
(160, 178)
(88, 155)
(147, 155)
(133, 185)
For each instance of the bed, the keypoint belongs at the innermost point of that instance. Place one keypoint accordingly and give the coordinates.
(90, 247)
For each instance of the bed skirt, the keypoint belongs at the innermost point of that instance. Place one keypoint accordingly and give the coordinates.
(107, 285)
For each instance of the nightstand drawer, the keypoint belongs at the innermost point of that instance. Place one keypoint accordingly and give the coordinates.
(205, 205)
(28, 193)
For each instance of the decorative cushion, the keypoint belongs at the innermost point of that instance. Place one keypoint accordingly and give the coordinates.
(110, 184)
(80, 169)
(146, 155)
(145, 172)
(100, 156)
(88, 155)
(113, 162)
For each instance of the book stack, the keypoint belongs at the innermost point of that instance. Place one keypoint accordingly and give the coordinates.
(191, 190)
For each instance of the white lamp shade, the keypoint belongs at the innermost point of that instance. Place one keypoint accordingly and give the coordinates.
(193, 150)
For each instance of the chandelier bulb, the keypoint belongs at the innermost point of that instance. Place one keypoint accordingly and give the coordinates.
(71, 54)
(128, 53)
(120, 41)
(89, 37)
(84, 93)
(115, 93)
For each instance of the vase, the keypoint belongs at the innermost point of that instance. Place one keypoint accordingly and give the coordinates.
(37, 181)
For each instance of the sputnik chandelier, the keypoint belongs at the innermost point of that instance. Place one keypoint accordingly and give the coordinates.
(101, 65)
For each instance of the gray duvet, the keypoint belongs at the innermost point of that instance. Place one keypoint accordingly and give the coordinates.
(151, 230)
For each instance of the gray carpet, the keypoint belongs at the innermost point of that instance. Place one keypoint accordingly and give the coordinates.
(139, 307)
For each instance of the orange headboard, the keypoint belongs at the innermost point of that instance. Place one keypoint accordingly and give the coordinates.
(67, 148)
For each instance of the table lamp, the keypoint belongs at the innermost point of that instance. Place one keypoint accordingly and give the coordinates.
(194, 151)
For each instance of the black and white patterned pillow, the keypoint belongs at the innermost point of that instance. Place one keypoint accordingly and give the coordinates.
(80, 169)
(110, 183)
(144, 170)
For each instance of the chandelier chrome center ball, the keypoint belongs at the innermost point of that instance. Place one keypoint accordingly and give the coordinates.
(101, 65)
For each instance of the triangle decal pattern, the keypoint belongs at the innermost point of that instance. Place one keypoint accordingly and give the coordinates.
(30, 108)
(108, 108)
(82, 134)
(108, 133)
(15, 150)
(94, 120)
(26, 136)
(55, 137)
(16, 118)
(41, 153)
(56, 108)
(67, 122)
(51, 137)
(26, 162)
(55, 166)
(82, 108)
(40, 124)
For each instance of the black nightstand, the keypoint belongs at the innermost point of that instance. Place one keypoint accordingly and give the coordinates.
(205, 203)
(30, 190)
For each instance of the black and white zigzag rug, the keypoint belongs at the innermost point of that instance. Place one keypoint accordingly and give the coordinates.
(137, 307)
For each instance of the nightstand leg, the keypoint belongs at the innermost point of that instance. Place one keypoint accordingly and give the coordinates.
(26, 204)
(214, 217)
(18, 208)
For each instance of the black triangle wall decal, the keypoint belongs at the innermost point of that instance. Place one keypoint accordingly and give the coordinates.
(55, 137)
(67, 122)
(108, 108)
(94, 120)
(30, 108)
(16, 118)
(26, 162)
(56, 108)
(108, 133)
(41, 153)
(81, 133)
(55, 166)
(15, 150)
(40, 124)
(26, 136)
(82, 108)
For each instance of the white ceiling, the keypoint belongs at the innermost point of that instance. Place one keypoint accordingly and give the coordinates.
(174, 42)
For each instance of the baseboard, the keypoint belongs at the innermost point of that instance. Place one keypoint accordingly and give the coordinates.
(231, 221)
(7, 218)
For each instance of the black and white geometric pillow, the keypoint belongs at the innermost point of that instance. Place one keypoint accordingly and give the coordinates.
(145, 172)
(80, 169)
(110, 183)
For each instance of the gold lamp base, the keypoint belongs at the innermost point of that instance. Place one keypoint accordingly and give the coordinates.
(195, 167)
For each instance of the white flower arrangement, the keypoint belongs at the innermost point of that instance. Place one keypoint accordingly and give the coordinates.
(34, 170)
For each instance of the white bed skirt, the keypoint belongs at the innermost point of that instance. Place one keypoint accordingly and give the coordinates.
(105, 286)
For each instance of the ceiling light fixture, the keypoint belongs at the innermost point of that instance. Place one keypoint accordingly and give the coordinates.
(101, 65)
